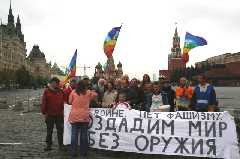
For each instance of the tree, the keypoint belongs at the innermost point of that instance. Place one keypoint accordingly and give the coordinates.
(23, 77)
(40, 81)
(7, 79)
(57, 70)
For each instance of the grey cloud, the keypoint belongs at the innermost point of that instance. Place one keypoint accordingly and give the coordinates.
(223, 16)
(28, 11)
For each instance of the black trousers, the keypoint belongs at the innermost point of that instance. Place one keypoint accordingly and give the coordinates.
(58, 121)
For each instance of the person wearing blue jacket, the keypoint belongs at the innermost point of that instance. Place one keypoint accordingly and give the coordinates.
(204, 96)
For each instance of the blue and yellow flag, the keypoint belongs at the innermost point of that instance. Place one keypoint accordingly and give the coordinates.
(191, 41)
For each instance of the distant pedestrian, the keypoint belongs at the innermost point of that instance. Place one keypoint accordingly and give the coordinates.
(52, 107)
(79, 117)
(204, 96)
(184, 94)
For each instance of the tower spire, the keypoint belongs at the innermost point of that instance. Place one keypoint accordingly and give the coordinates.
(10, 16)
(10, 8)
(18, 19)
(18, 26)
(176, 50)
(176, 32)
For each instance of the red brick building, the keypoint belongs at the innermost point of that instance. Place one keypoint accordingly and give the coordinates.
(225, 72)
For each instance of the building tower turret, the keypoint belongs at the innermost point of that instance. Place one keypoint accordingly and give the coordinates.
(176, 49)
(10, 16)
(175, 61)
(18, 25)
(19, 29)
(119, 70)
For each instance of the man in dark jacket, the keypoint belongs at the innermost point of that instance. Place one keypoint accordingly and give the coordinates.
(147, 97)
(52, 108)
(135, 94)
(166, 87)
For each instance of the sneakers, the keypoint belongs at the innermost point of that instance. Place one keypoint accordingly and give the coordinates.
(48, 148)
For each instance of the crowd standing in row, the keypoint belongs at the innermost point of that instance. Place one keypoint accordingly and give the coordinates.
(120, 93)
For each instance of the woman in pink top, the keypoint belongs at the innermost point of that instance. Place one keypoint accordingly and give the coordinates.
(79, 117)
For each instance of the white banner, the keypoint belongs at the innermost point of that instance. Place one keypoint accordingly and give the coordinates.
(170, 133)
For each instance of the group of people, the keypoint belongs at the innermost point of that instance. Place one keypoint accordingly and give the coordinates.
(122, 93)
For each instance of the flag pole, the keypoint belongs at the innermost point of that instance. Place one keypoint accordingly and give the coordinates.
(1, 36)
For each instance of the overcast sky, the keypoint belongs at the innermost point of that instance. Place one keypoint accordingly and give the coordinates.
(61, 26)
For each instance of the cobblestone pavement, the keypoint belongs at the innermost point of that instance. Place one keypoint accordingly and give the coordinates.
(22, 136)
(13, 96)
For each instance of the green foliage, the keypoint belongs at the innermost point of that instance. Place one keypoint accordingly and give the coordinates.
(7, 79)
(57, 70)
(21, 78)
(40, 81)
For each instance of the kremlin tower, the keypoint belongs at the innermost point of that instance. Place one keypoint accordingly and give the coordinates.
(175, 61)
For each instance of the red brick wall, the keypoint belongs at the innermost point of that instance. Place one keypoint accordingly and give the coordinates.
(234, 68)
(176, 64)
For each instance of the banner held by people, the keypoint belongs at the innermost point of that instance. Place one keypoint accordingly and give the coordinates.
(187, 133)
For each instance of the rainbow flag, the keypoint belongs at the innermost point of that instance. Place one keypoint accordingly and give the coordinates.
(110, 41)
(191, 41)
(71, 69)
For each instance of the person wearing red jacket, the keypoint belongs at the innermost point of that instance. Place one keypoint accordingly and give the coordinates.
(52, 108)
(67, 91)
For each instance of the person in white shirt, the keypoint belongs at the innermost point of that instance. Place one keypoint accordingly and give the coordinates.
(159, 99)
(121, 102)
(109, 96)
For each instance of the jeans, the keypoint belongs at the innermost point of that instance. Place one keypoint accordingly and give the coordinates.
(58, 121)
(83, 129)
